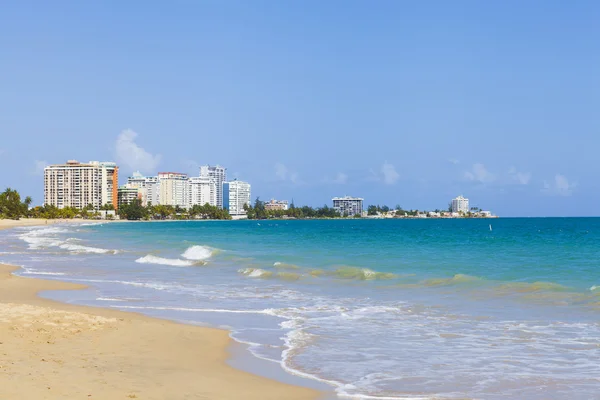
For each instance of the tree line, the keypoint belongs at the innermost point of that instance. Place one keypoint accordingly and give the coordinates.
(259, 211)
(136, 211)
(12, 207)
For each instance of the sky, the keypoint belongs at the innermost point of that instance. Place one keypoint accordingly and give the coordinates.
(398, 102)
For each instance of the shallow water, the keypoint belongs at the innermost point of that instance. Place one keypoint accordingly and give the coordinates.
(373, 308)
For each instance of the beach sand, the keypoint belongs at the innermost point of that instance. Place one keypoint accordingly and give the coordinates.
(51, 350)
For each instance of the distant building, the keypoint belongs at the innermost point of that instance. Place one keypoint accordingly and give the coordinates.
(348, 205)
(201, 190)
(149, 188)
(277, 205)
(460, 205)
(235, 195)
(218, 175)
(75, 184)
(128, 193)
(173, 188)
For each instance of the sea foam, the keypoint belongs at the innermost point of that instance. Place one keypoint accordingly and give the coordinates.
(198, 253)
(255, 272)
(151, 259)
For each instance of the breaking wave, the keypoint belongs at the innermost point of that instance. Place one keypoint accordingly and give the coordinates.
(76, 248)
(255, 272)
(151, 259)
(198, 253)
(194, 255)
(281, 265)
(359, 273)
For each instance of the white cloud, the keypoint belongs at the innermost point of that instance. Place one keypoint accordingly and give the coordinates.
(390, 175)
(192, 166)
(479, 173)
(38, 168)
(340, 179)
(284, 174)
(132, 156)
(560, 187)
(453, 161)
(522, 178)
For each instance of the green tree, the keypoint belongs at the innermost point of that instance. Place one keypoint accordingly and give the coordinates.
(11, 206)
(133, 211)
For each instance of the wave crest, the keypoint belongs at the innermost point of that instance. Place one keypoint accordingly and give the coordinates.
(360, 274)
(455, 280)
(198, 253)
(282, 265)
(152, 259)
(255, 272)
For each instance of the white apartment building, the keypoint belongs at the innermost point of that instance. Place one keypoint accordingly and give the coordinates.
(201, 190)
(460, 205)
(219, 176)
(173, 189)
(348, 205)
(75, 184)
(236, 194)
(149, 188)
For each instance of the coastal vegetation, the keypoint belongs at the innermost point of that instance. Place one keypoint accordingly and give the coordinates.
(12, 206)
(259, 211)
(136, 211)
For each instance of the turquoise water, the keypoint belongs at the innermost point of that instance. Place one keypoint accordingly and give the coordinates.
(382, 309)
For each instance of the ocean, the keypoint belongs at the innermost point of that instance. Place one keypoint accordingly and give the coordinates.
(373, 309)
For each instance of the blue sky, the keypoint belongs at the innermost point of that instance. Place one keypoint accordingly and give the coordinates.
(408, 103)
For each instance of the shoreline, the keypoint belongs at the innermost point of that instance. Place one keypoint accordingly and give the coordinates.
(56, 350)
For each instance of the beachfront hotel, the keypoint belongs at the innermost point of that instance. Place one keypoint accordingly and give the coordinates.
(148, 188)
(127, 194)
(276, 205)
(236, 194)
(173, 189)
(460, 205)
(348, 205)
(201, 190)
(218, 175)
(76, 184)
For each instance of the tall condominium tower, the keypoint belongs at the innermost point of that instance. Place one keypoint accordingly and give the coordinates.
(236, 194)
(75, 184)
(219, 175)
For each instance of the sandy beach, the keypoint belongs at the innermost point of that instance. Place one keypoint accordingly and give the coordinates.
(51, 350)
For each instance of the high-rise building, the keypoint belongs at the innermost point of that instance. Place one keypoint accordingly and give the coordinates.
(75, 184)
(460, 205)
(149, 188)
(173, 188)
(201, 190)
(219, 175)
(128, 193)
(348, 206)
(236, 194)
